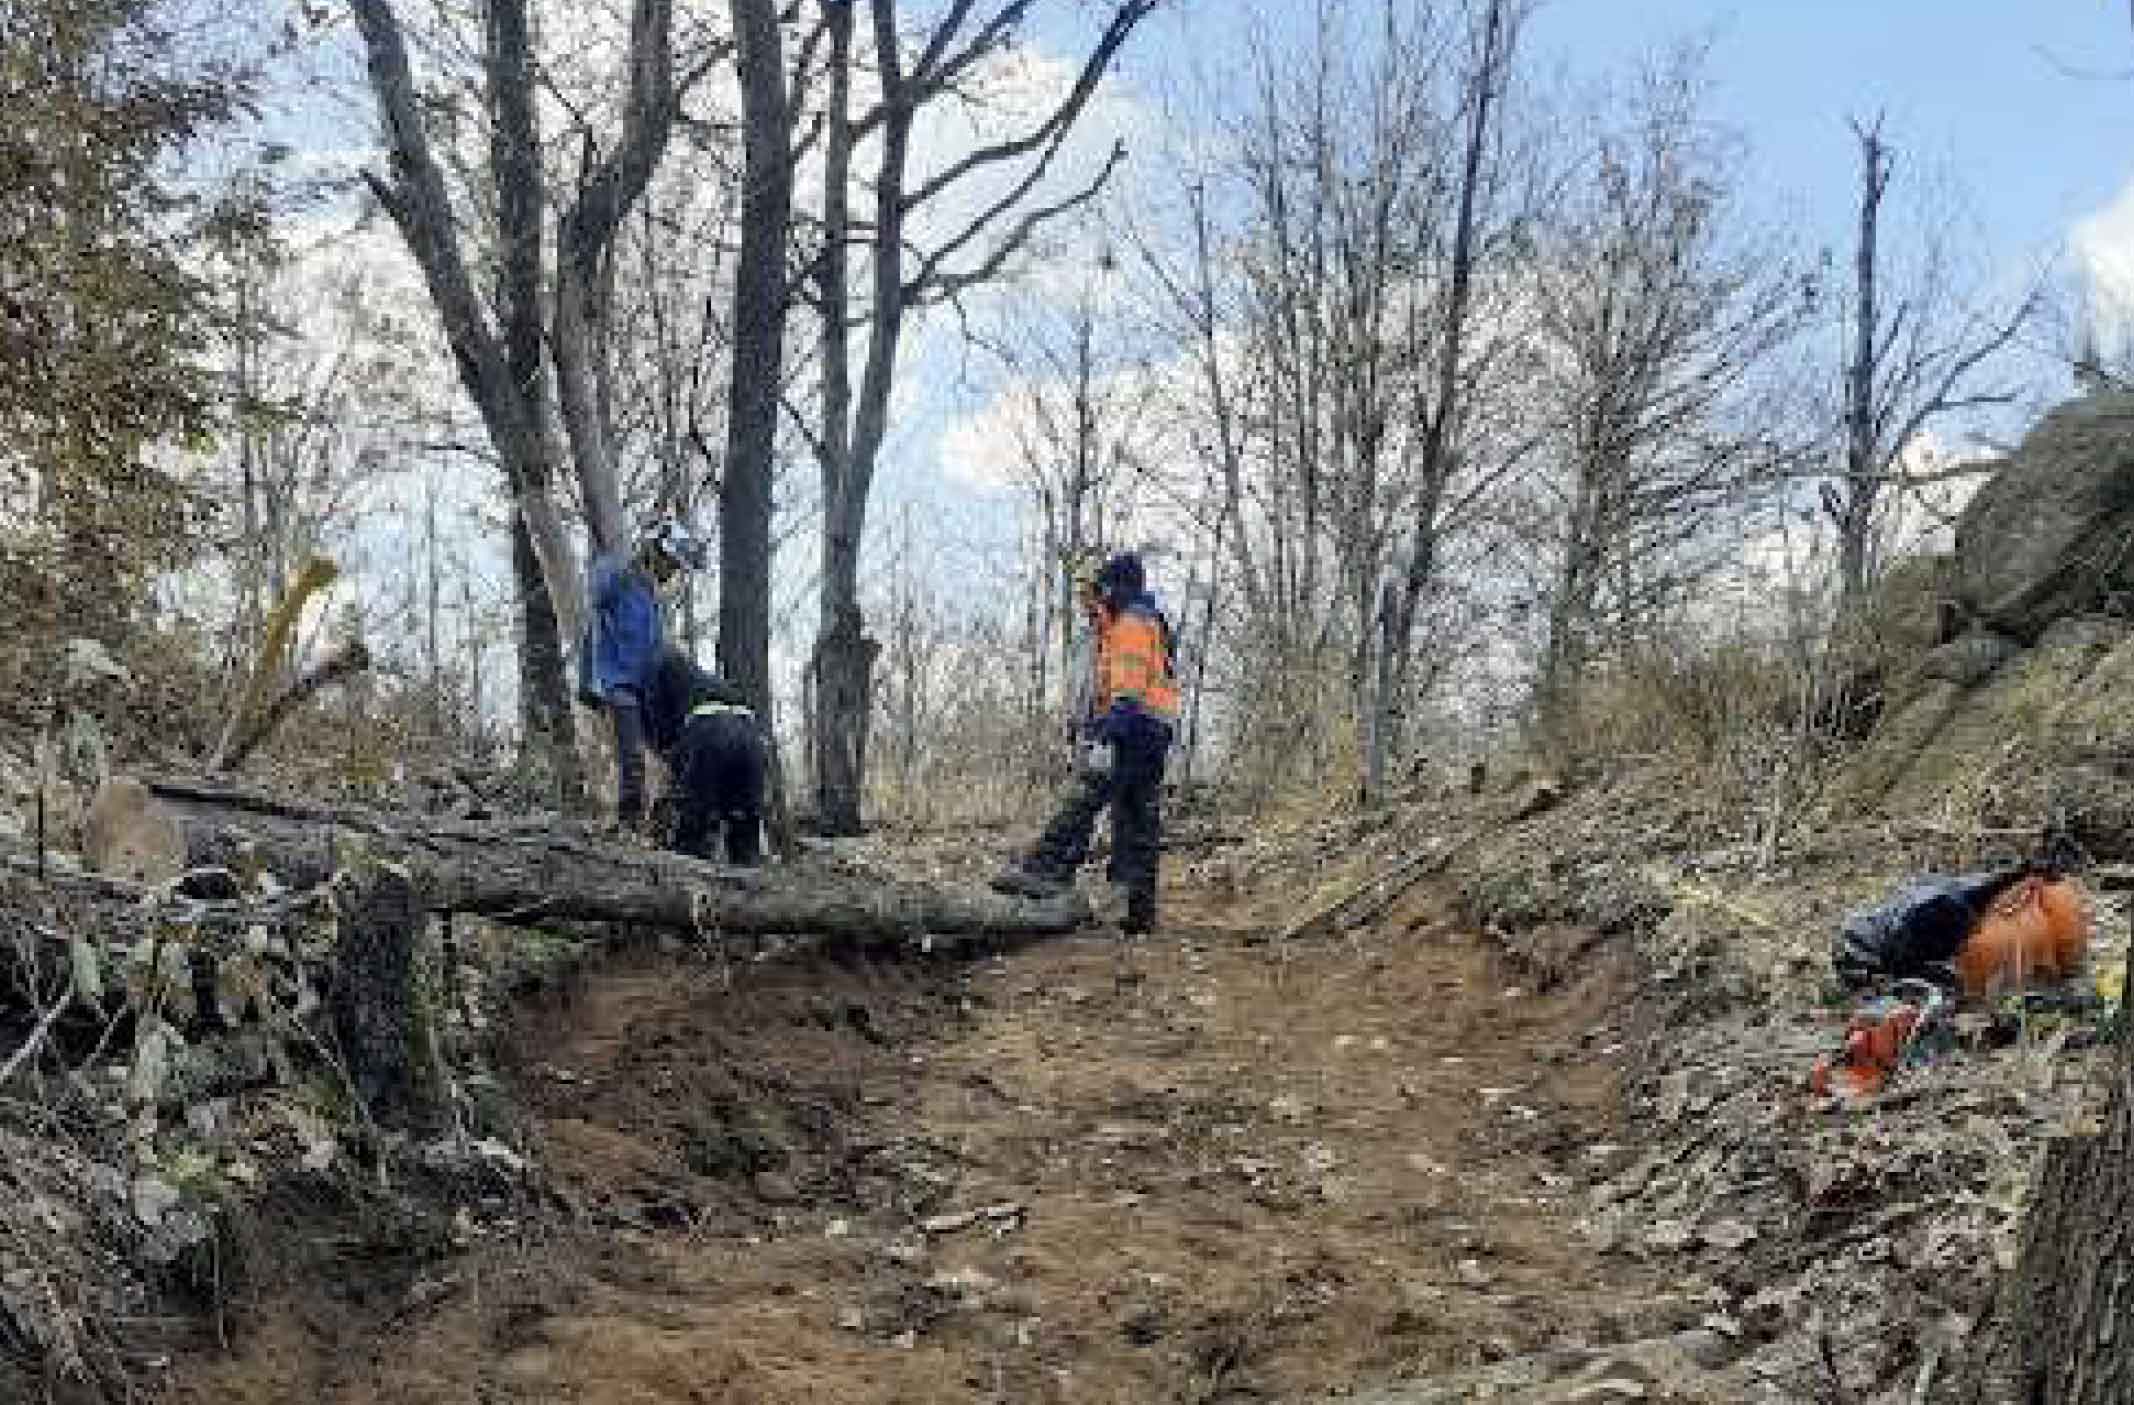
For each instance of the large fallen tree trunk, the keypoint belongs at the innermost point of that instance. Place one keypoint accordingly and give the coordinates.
(526, 871)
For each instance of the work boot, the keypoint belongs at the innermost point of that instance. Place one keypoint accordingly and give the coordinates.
(1112, 905)
(1140, 917)
(1022, 881)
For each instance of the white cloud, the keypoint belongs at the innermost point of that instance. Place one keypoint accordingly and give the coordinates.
(2103, 243)
(979, 450)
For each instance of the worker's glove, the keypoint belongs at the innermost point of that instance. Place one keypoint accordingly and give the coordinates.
(1096, 758)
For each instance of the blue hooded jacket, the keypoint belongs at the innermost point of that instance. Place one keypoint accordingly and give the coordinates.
(623, 631)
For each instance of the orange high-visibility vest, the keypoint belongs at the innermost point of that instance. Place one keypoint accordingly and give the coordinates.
(1134, 664)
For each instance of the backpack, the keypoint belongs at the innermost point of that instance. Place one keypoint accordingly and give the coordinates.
(1918, 931)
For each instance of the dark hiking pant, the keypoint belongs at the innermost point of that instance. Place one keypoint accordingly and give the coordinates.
(719, 767)
(1133, 791)
(628, 712)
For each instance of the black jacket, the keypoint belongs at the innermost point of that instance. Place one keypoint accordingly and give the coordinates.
(678, 685)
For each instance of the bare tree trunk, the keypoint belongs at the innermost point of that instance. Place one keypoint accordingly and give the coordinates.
(585, 235)
(1915, 358)
(1202, 646)
(1863, 481)
(544, 700)
(1570, 608)
(1396, 649)
(759, 320)
(854, 425)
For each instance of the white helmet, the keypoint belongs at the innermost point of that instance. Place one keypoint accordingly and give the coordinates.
(673, 540)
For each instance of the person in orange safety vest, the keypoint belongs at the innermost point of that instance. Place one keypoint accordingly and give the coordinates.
(1124, 731)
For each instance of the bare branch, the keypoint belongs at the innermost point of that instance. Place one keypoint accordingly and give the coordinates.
(938, 76)
(930, 285)
(945, 31)
(1053, 130)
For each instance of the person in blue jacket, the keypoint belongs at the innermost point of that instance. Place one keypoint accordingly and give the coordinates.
(620, 656)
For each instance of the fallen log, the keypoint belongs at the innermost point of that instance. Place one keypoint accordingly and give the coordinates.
(545, 870)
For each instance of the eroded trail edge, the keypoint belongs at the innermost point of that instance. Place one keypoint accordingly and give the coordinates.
(1189, 1170)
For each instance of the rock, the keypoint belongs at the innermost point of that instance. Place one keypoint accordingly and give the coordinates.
(1319, 1158)
(152, 1199)
(968, 1286)
(1286, 1107)
(1709, 1349)
(1604, 1390)
(1003, 1216)
(1970, 660)
(775, 1188)
(127, 834)
(1538, 796)
(1770, 1311)
(1727, 1234)
(1669, 1236)
(1724, 1325)
(179, 1231)
(950, 1222)
(1674, 1095)
(88, 661)
(1602, 1233)
(904, 1252)
(1473, 1274)
(2045, 536)
(499, 1157)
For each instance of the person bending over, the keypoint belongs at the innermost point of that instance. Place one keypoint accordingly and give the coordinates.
(716, 756)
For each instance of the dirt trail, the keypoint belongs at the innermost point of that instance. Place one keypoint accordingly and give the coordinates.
(1214, 1172)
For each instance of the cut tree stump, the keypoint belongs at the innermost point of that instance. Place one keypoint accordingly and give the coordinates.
(377, 1019)
(531, 871)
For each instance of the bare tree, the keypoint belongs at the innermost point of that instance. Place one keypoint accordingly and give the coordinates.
(498, 357)
(1330, 330)
(1657, 328)
(903, 279)
(1916, 358)
(1077, 412)
(1446, 399)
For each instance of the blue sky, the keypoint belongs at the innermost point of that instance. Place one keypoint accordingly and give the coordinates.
(1969, 84)
(1984, 101)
